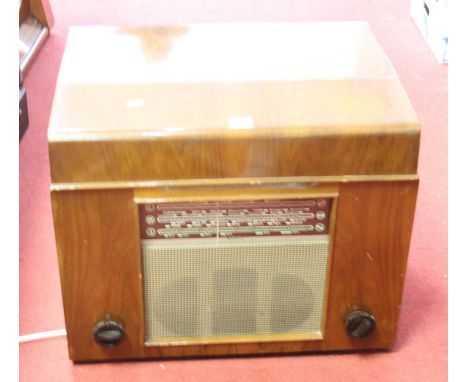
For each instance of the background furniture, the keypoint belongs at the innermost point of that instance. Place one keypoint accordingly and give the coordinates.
(35, 21)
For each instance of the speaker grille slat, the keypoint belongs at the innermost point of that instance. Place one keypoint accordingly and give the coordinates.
(210, 290)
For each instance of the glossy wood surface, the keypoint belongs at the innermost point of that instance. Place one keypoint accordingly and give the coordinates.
(243, 192)
(228, 101)
(211, 158)
(257, 108)
(230, 182)
(99, 257)
(209, 112)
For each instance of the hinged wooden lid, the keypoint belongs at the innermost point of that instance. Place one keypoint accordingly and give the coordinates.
(212, 101)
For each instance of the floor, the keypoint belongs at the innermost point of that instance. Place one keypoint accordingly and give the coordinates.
(420, 353)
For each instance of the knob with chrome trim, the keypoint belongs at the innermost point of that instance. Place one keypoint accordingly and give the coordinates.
(360, 324)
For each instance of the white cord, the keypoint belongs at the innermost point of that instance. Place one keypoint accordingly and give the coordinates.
(42, 335)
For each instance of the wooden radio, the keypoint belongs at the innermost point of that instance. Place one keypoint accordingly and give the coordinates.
(230, 189)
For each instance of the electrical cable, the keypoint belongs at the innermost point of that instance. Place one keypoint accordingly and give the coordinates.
(42, 335)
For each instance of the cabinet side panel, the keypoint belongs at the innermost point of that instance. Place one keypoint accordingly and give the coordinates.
(99, 258)
(372, 238)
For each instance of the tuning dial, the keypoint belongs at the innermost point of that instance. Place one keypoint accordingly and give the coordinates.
(108, 332)
(359, 324)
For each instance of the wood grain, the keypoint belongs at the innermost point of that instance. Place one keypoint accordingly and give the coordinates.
(135, 123)
(42, 11)
(23, 11)
(99, 257)
(199, 194)
(279, 108)
(372, 238)
(141, 117)
(230, 182)
(98, 161)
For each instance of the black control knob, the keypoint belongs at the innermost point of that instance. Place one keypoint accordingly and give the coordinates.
(108, 332)
(359, 324)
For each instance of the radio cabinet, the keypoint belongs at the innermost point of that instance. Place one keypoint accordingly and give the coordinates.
(230, 189)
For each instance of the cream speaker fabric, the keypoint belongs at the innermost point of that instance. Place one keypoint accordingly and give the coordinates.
(227, 290)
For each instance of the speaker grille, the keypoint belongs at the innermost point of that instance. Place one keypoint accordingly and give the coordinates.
(205, 290)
